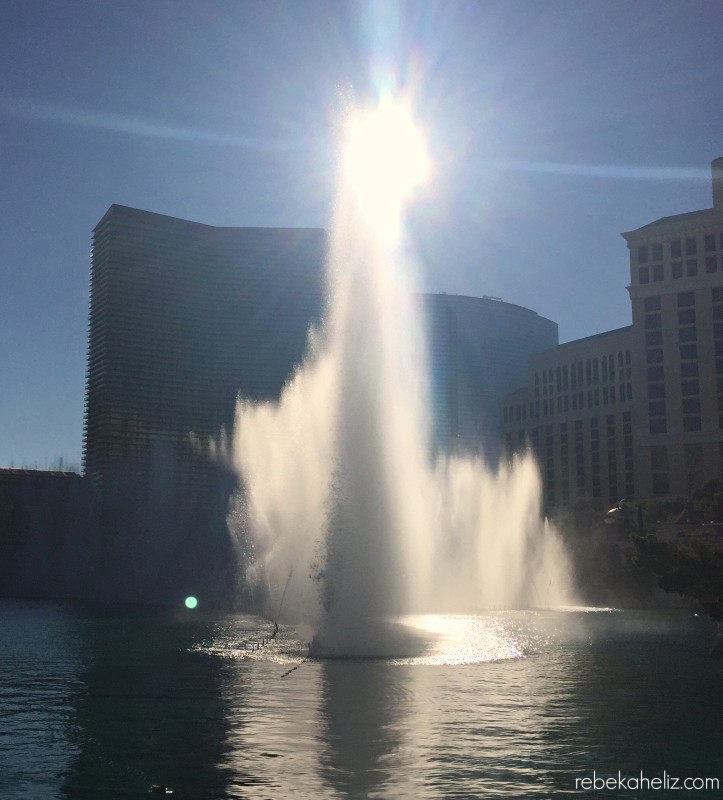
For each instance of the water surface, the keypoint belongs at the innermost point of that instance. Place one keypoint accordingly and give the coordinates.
(103, 703)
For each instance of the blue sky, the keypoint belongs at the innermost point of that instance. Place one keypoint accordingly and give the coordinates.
(554, 126)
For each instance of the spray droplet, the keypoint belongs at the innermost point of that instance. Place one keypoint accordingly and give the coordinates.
(191, 602)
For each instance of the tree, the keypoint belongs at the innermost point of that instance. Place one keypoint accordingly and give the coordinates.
(693, 570)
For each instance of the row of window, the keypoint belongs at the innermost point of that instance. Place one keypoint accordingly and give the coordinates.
(692, 463)
(690, 267)
(654, 252)
(653, 323)
(578, 374)
(608, 395)
(552, 475)
(688, 350)
(718, 339)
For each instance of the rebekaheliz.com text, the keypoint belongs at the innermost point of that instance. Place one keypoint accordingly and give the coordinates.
(665, 781)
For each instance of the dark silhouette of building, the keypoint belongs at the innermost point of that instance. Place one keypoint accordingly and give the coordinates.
(184, 318)
(41, 512)
(478, 352)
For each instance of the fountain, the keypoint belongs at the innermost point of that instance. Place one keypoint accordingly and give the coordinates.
(340, 484)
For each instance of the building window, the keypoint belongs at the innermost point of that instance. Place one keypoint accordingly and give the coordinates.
(649, 304)
(676, 251)
(657, 252)
(660, 485)
(689, 387)
(653, 338)
(693, 460)
(711, 263)
(691, 405)
(643, 254)
(655, 374)
(691, 267)
(689, 369)
(676, 269)
(709, 243)
(691, 424)
(688, 351)
(656, 408)
(659, 469)
(717, 294)
(644, 274)
(686, 299)
(658, 425)
(653, 321)
(690, 246)
(655, 355)
(656, 391)
(686, 316)
(687, 334)
(658, 274)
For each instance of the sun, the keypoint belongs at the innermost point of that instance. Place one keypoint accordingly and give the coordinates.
(385, 159)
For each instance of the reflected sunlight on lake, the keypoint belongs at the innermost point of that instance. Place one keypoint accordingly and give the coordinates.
(98, 702)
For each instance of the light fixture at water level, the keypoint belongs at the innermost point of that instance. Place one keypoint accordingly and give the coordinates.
(385, 159)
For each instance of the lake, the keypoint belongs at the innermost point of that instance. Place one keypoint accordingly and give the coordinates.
(100, 702)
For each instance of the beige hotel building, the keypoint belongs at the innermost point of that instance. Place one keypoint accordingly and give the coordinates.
(637, 411)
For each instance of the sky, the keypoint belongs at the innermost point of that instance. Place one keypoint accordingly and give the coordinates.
(553, 127)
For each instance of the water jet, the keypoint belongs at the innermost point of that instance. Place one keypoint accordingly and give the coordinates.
(340, 484)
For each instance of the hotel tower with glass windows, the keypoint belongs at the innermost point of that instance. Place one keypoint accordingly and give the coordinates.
(184, 318)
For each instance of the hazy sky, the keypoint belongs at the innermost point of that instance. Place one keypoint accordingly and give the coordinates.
(554, 127)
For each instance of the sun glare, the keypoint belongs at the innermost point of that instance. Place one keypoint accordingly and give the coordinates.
(386, 158)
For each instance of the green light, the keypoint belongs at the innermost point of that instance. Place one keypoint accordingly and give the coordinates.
(191, 602)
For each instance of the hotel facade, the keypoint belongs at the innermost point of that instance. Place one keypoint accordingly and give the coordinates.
(644, 416)
(184, 318)
(478, 352)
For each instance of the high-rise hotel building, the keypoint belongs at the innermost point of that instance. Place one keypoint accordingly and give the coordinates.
(638, 411)
(576, 416)
(478, 352)
(184, 318)
(676, 289)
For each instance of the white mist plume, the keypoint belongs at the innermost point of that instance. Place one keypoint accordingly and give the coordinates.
(340, 485)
